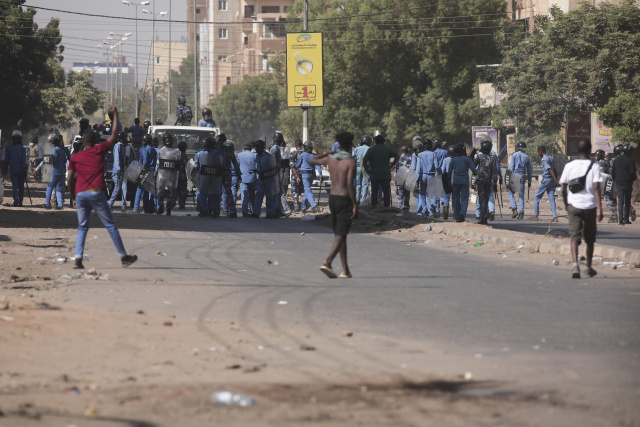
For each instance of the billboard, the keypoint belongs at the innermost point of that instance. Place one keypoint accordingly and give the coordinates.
(489, 96)
(477, 132)
(304, 70)
(601, 135)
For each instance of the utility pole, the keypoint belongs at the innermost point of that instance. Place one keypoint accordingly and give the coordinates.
(195, 64)
(305, 110)
(169, 75)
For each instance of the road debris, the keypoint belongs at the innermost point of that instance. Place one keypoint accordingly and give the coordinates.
(160, 253)
(305, 347)
(228, 398)
(272, 262)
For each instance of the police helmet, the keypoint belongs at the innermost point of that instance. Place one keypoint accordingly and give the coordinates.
(366, 140)
(167, 139)
(146, 124)
(307, 146)
(248, 145)
(182, 100)
(203, 144)
(84, 123)
(627, 149)
(147, 139)
(206, 113)
(618, 149)
(159, 121)
(229, 144)
(210, 143)
(428, 144)
(459, 150)
(182, 146)
(16, 136)
(54, 139)
(437, 143)
(521, 146)
(156, 142)
(599, 154)
(259, 145)
(486, 144)
(278, 139)
(451, 151)
(122, 137)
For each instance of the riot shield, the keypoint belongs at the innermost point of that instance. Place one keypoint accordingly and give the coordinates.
(512, 181)
(141, 176)
(432, 187)
(211, 170)
(406, 178)
(47, 162)
(608, 186)
(268, 175)
(168, 168)
(193, 174)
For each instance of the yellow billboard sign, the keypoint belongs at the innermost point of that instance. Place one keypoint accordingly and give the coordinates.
(304, 70)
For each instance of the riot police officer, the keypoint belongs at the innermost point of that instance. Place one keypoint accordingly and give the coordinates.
(182, 176)
(167, 171)
(362, 180)
(267, 184)
(210, 164)
(486, 177)
(305, 173)
(207, 119)
(230, 179)
(520, 164)
(183, 112)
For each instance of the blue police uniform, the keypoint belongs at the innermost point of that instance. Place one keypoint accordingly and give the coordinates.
(263, 163)
(148, 158)
(57, 182)
(119, 183)
(246, 163)
(548, 185)
(460, 166)
(230, 181)
(520, 163)
(307, 173)
(425, 170)
(16, 158)
(335, 147)
(208, 123)
(362, 184)
(441, 154)
(209, 203)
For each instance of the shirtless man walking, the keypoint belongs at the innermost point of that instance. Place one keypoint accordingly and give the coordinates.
(342, 200)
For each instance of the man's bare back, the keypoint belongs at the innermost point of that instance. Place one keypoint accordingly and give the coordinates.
(342, 173)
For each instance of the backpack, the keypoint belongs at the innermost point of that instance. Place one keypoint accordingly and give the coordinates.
(188, 115)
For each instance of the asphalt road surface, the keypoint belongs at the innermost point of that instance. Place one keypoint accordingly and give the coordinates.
(511, 319)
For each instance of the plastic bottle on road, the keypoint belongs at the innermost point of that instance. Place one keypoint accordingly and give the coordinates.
(232, 399)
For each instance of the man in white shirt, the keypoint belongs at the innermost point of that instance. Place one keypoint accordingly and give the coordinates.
(583, 203)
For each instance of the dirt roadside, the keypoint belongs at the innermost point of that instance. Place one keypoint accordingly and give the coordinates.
(67, 364)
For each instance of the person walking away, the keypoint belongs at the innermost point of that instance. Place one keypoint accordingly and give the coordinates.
(297, 189)
(487, 177)
(583, 204)
(609, 200)
(88, 166)
(623, 173)
(141, 194)
(305, 174)
(59, 171)
(266, 186)
(441, 154)
(547, 185)
(404, 196)
(230, 179)
(460, 165)
(17, 161)
(274, 150)
(362, 181)
(137, 132)
(425, 176)
(446, 182)
(377, 163)
(246, 163)
(342, 200)
(117, 172)
(182, 176)
(418, 145)
(520, 163)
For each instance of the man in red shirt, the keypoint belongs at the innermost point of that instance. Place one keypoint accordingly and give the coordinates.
(88, 166)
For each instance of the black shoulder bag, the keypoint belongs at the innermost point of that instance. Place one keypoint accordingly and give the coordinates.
(577, 185)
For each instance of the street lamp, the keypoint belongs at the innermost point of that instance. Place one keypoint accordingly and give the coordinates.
(142, 3)
(106, 77)
(153, 53)
(123, 37)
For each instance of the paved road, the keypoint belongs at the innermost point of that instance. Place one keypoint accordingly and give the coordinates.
(485, 311)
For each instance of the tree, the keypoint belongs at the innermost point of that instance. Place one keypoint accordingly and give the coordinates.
(576, 61)
(409, 73)
(622, 113)
(248, 110)
(28, 56)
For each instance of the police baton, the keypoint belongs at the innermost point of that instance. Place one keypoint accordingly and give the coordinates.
(28, 192)
(319, 188)
(500, 196)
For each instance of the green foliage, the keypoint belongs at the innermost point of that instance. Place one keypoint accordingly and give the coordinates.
(182, 84)
(576, 61)
(248, 110)
(622, 113)
(412, 72)
(28, 55)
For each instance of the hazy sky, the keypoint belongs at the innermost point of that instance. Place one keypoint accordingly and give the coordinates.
(82, 34)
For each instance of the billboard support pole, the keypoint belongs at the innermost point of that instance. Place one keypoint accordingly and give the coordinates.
(305, 110)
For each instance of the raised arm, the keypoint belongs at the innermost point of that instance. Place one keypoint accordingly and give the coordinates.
(114, 126)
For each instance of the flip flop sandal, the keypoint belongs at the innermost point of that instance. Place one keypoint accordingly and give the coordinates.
(329, 272)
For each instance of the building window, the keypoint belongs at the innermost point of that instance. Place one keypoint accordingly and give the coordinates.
(249, 11)
(285, 9)
(222, 58)
(246, 40)
(272, 29)
(157, 59)
(228, 80)
(223, 5)
(197, 10)
(270, 9)
(265, 65)
(222, 33)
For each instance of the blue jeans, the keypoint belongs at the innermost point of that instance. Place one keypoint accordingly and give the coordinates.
(492, 204)
(234, 194)
(460, 196)
(58, 183)
(307, 179)
(269, 200)
(119, 186)
(148, 201)
(447, 197)
(210, 203)
(548, 186)
(85, 202)
(512, 199)
(17, 184)
(425, 202)
(362, 185)
(385, 186)
(248, 192)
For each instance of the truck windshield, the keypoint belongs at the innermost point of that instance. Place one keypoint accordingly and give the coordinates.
(191, 136)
